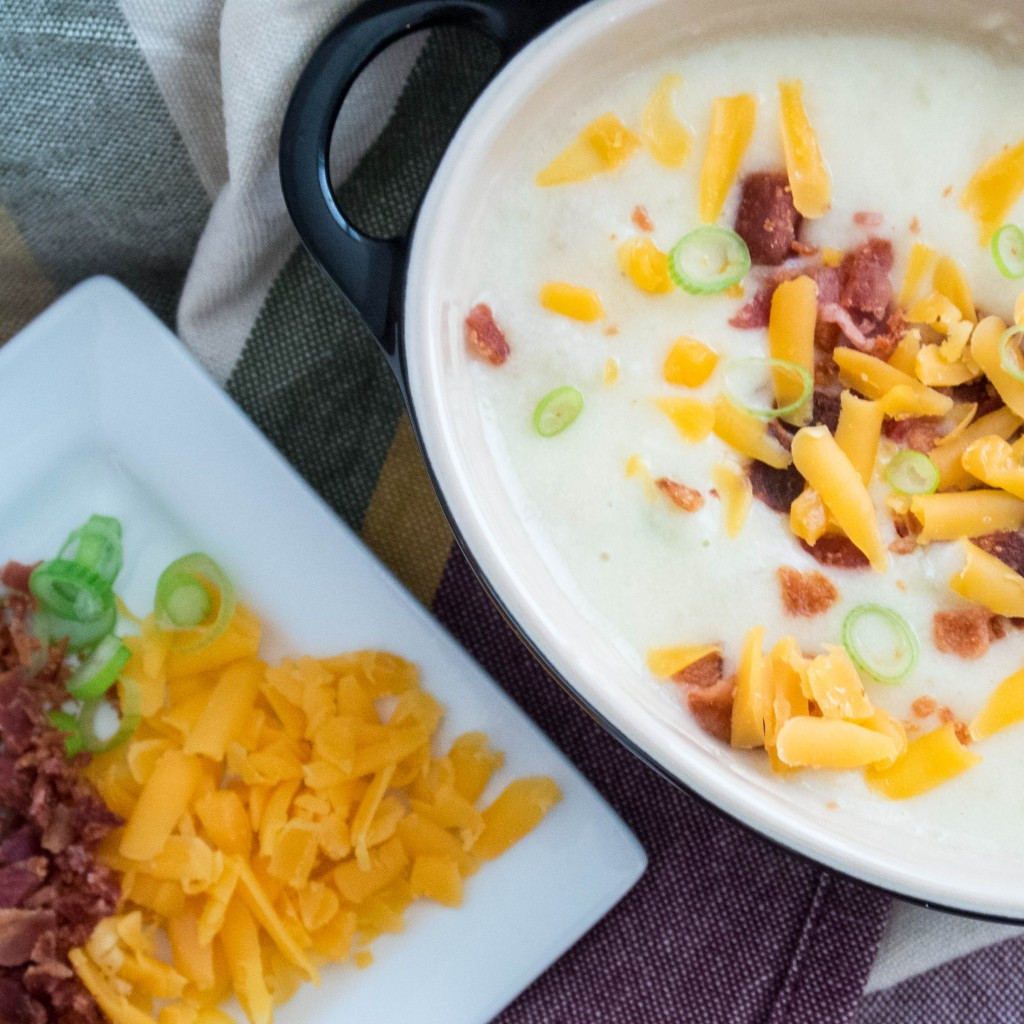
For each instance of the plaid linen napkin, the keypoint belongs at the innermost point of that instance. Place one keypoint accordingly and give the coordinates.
(139, 140)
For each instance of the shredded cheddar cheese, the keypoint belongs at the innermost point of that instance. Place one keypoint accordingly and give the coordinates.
(995, 187)
(571, 301)
(732, 126)
(279, 818)
(792, 319)
(689, 363)
(809, 177)
(602, 146)
(668, 139)
(645, 265)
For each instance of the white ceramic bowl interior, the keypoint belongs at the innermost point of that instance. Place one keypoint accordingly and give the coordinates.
(885, 844)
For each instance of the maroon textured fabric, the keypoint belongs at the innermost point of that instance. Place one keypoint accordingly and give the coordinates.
(723, 927)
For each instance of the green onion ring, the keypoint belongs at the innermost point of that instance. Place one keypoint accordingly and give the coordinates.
(131, 716)
(179, 604)
(893, 659)
(1008, 251)
(80, 636)
(911, 472)
(556, 410)
(97, 546)
(735, 368)
(1009, 353)
(70, 590)
(708, 260)
(97, 673)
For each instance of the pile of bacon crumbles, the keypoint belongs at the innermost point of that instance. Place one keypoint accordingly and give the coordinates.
(53, 891)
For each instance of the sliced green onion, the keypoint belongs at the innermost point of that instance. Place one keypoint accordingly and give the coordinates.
(880, 642)
(708, 260)
(68, 725)
(97, 546)
(912, 472)
(70, 590)
(1010, 358)
(131, 716)
(556, 410)
(194, 601)
(749, 384)
(80, 636)
(100, 670)
(1008, 250)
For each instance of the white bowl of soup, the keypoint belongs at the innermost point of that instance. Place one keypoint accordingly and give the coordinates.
(708, 333)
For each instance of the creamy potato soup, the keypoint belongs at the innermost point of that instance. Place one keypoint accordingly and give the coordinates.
(746, 360)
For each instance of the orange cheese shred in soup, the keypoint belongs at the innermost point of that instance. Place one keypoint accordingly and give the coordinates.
(815, 336)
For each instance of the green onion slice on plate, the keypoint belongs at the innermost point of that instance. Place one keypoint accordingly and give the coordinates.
(99, 671)
(70, 590)
(96, 545)
(68, 724)
(749, 384)
(556, 410)
(92, 713)
(880, 642)
(708, 260)
(1010, 357)
(79, 635)
(194, 601)
(912, 472)
(1008, 250)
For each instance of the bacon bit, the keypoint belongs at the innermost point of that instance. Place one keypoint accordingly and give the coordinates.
(781, 434)
(1006, 545)
(756, 312)
(924, 706)
(766, 218)
(685, 497)
(915, 226)
(836, 552)
(805, 593)
(947, 191)
(900, 585)
(14, 575)
(964, 633)
(997, 626)
(485, 337)
(803, 248)
(826, 409)
(611, 330)
(703, 673)
(642, 219)
(832, 806)
(918, 433)
(960, 727)
(776, 488)
(976, 392)
(711, 706)
(903, 546)
(868, 219)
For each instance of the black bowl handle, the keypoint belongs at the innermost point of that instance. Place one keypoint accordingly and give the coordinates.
(370, 271)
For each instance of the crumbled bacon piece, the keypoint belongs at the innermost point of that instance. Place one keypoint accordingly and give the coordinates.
(756, 312)
(485, 337)
(766, 218)
(15, 575)
(1006, 545)
(978, 392)
(836, 552)
(825, 409)
(711, 706)
(867, 290)
(924, 706)
(964, 632)
(916, 432)
(776, 488)
(960, 727)
(53, 891)
(868, 219)
(803, 248)
(685, 497)
(805, 593)
(704, 672)
(915, 226)
(642, 219)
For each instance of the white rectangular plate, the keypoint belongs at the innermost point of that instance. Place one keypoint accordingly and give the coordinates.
(106, 412)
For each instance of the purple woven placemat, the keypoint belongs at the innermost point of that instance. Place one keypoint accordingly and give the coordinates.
(724, 926)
